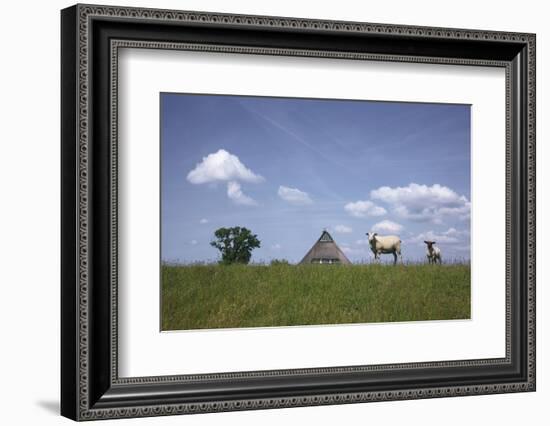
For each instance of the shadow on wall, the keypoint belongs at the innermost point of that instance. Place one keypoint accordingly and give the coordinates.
(50, 406)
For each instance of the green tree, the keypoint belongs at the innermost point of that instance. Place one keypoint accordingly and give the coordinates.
(235, 244)
(279, 262)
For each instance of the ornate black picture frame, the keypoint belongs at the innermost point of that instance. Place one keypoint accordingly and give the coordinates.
(91, 37)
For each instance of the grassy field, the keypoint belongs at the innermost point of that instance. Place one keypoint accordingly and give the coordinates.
(213, 296)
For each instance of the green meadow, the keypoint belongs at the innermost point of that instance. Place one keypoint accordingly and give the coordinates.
(216, 296)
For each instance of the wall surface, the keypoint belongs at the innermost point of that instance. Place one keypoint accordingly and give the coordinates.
(29, 225)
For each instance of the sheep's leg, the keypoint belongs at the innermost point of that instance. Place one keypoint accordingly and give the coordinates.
(394, 258)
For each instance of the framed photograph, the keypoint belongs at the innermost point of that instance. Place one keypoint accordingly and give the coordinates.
(263, 212)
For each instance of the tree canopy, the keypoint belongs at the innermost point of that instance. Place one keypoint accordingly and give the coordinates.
(235, 244)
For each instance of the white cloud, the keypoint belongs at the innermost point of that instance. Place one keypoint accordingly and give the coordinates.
(222, 166)
(235, 193)
(387, 226)
(203, 221)
(194, 242)
(276, 247)
(450, 236)
(424, 203)
(343, 229)
(356, 252)
(364, 209)
(294, 195)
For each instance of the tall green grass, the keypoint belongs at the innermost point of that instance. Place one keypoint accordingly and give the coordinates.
(215, 296)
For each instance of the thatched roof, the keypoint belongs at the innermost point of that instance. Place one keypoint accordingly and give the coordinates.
(325, 250)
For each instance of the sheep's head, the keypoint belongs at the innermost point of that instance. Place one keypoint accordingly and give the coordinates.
(430, 244)
(371, 237)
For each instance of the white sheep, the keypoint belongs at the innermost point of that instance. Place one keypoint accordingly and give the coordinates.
(433, 253)
(384, 245)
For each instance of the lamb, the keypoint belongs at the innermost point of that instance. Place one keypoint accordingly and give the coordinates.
(385, 244)
(433, 253)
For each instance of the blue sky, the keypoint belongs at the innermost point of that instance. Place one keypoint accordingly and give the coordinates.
(289, 168)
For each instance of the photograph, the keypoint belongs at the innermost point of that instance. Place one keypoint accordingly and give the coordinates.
(265, 209)
(279, 211)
